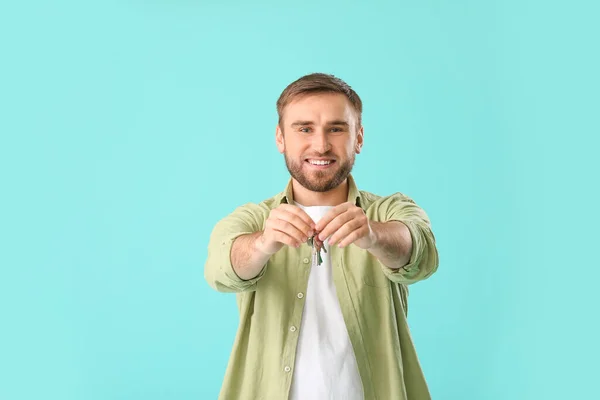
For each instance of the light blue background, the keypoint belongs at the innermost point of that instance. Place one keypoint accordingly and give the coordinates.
(129, 128)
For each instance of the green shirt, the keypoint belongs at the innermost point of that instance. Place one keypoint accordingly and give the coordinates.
(373, 300)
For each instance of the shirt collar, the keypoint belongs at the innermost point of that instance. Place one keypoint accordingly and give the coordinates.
(353, 193)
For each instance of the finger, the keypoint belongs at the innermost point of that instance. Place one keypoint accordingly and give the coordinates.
(318, 242)
(290, 229)
(298, 212)
(298, 222)
(344, 231)
(298, 217)
(331, 215)
(352, 237)
(284, 237)
(333, 226)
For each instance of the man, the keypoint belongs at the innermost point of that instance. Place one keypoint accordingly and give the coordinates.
(330, 325)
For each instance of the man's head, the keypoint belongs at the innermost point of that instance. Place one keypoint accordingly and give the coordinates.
(319, 122)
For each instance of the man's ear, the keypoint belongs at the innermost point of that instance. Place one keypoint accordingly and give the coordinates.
(279, 139)
(359, 140)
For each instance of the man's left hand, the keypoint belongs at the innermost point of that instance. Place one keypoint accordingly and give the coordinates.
(346, 224)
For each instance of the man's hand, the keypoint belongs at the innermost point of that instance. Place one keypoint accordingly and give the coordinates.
(346, 224)
(287, 224)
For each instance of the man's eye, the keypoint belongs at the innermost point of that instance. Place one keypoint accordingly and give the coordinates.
(305, 130)
(336, 130)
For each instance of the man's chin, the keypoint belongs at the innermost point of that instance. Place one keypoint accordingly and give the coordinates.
(319, 185)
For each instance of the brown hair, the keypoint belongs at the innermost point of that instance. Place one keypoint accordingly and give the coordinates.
(318, 83)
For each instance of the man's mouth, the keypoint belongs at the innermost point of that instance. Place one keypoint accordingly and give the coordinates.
(320, 164)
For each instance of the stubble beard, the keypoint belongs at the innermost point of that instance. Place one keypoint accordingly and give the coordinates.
(319, 181)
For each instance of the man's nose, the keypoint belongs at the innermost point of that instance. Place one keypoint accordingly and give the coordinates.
(321, 143)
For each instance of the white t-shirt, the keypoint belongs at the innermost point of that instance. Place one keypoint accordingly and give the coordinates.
(325, 363)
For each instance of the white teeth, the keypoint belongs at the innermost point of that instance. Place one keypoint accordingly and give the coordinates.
(318, 162)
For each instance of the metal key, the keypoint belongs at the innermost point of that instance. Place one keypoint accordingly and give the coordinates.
(316, 250)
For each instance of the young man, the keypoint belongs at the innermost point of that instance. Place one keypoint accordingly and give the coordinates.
(321, 269)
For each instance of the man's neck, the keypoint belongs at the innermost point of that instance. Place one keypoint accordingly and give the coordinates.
(309, 198)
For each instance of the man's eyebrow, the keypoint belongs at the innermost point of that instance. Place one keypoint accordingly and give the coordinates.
(338, 122)
(302, 123)
(307, 123)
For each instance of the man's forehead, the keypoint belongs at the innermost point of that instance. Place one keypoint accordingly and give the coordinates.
(325, 106)
(331, 99)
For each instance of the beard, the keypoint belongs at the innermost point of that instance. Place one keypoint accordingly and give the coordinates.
(320, 181)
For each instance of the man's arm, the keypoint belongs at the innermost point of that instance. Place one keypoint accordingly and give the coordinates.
(398, 235)
(407, 248)
(246, 257)
(240, 248)
(393, 244)
(230, 250)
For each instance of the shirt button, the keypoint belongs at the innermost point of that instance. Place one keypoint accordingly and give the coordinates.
(305, 261)
(293, 328)
(287, 369)
(300, 295)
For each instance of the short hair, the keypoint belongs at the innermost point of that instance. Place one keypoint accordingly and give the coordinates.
(318, 83)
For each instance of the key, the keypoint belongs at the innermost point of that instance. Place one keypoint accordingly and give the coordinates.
(316, 250)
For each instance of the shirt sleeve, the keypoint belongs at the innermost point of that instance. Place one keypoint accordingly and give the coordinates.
(424, 258)
(218, 270)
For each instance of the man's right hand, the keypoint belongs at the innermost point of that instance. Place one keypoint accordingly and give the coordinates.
(287, 224)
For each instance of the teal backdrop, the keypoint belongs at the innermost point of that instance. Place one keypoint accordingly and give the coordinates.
(129, 128)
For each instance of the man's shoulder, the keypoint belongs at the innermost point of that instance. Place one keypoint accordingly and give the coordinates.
(370, 199)
(261, 208)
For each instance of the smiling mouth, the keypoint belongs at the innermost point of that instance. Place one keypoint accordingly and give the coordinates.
(319, 164)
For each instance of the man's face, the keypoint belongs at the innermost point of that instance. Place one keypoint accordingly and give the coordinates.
(319, 139)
